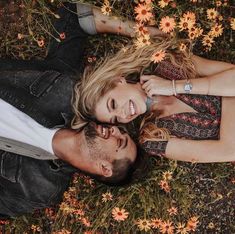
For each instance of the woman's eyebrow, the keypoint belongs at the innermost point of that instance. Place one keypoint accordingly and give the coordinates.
(107, 105)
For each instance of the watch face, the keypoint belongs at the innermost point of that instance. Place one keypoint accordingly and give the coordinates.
(188, 87)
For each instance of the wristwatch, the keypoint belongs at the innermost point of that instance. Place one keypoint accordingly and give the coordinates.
(188, 87)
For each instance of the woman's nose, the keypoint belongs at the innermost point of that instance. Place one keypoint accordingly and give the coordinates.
(121, 113)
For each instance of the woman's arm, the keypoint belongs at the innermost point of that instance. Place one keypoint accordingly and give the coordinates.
(206, 151)
(203, 151)
(219, 84)
(206, 67)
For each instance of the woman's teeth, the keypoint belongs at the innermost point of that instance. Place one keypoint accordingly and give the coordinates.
(132, 109)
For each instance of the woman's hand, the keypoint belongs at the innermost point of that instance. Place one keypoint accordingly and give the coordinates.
(155, 85)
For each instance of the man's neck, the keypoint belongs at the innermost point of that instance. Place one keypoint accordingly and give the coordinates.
(70, 146)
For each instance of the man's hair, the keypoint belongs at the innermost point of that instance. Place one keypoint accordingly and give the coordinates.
(123, 171)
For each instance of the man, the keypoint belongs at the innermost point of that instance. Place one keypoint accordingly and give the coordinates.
(103, 152)
(41, 91)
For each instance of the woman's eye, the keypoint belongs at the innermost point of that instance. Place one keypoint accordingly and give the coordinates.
(115, 120)
(113, 104)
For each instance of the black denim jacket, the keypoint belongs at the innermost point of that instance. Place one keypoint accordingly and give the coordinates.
(25, 183)
(39, 89)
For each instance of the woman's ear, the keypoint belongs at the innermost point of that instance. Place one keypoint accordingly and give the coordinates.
(121, 80)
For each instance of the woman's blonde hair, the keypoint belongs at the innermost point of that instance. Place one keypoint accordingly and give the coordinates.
(103, 78)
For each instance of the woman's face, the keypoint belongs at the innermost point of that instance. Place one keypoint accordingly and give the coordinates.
(122, 104)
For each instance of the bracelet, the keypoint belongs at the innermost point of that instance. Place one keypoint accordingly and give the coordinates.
(174, 89)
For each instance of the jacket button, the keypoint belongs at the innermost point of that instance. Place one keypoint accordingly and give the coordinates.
(22, 106)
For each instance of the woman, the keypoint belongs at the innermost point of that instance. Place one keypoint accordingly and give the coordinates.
(115, 92)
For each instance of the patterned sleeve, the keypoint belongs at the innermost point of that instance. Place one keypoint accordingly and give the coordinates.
(168, 71)
(156, 148)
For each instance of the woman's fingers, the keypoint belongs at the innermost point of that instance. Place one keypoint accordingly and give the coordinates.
(144, 78)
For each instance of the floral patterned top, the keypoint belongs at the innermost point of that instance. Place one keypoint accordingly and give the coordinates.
(201, 125)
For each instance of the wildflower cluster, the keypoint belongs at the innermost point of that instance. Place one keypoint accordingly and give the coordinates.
(202, 25)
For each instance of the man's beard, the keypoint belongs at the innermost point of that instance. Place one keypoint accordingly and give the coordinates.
(90, 133)
(91, 136)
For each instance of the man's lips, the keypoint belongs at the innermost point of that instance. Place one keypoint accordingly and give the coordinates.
(103, 131)
(132, 108)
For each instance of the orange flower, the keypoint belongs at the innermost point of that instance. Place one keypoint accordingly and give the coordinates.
(107, 197)
(181, 229)
(216, 30)
(192, 223)
(218, 3)
(182, 47)
(62, 36)
(86, 222)
(143, 224)
(207, 41)
(190, 16)
(35, 228)
(158, 56)
(156, 223)
(163, 3)
(106, 8)
(167, 24)
(191, 35)
(4, 222)
(148, 2)
(232, 23)
(233, 180)
(20, 36)
(167, 175)
(141, 29)
(142, 41)
(119, 214)
(79, 212)
(164, 185)
(167, 227)
(41, 43)
(172, 211)
(185, 24)
(198, 32)
(143, 12)
(211, 13)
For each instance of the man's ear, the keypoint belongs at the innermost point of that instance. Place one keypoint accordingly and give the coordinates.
(106, 168)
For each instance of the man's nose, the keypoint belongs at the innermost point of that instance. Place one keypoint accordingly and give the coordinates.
(114, 131)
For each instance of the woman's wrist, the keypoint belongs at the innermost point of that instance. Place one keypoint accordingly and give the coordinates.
(195, 86)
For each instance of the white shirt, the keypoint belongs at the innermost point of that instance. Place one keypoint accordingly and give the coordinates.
(16, 125)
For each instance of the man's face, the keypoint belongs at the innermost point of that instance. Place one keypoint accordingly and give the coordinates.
(109, 142)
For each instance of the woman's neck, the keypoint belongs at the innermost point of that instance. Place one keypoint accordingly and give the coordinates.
(161, 102)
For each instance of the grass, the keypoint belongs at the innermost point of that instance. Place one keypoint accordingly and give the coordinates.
(196, 190)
